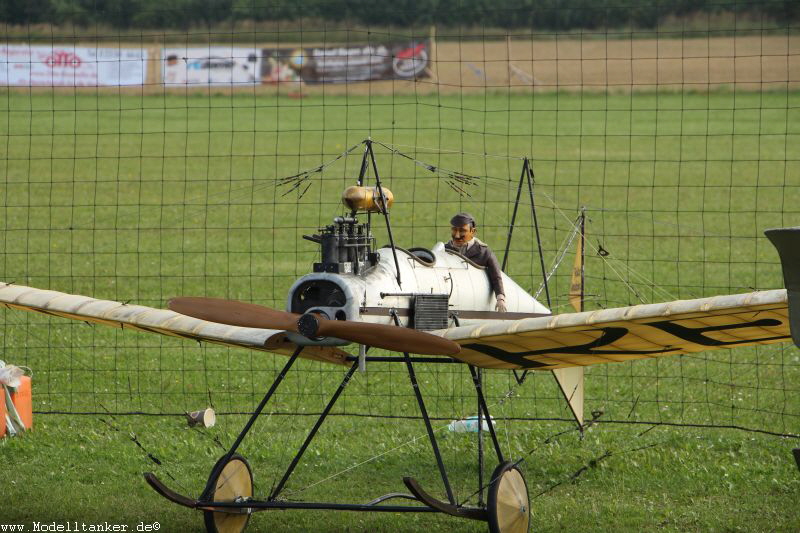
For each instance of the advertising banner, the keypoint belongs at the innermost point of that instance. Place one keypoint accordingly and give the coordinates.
(71, 66)
(214, 65)
(343, 64)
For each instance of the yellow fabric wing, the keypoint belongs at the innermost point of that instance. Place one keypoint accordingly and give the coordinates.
(161, 321)
(624, 334)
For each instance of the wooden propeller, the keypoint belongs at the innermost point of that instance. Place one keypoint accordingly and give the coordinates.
(312, 325)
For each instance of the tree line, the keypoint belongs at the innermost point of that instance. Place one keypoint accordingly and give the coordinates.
(529, 14)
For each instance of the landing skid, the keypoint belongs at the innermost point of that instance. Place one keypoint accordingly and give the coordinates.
(227, 500)
(248, 506)
(472, 513)
(168, 493)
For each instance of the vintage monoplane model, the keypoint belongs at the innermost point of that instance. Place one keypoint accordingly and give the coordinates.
(438, 305)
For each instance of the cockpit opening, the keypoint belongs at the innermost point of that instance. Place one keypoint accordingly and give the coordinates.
(424, 255)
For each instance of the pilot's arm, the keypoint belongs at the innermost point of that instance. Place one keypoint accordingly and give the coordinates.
(496, 280)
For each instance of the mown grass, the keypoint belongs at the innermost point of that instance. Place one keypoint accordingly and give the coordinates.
(145, 197)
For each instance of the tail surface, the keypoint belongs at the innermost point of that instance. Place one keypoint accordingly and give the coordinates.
(787, 242)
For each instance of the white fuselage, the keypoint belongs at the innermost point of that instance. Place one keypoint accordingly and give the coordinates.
(376, 296)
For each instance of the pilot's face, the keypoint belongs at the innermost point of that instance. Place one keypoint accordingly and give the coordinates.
(462, 234)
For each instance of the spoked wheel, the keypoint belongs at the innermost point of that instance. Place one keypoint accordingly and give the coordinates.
(508, 504)
(232, 481)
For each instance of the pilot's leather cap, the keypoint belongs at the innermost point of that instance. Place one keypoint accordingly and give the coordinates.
(462, 219)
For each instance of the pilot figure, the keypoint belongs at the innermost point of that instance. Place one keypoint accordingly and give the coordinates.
(464, 242)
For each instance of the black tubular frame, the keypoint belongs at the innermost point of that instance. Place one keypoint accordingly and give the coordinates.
(527, 177)
(528, 171)
(313, 432)
(424, 412)
(429, 428)
(477, 382)
(206, 502)
(227, 457)
(513, 218)
(427, 504)
(476, 379)
(369, 156)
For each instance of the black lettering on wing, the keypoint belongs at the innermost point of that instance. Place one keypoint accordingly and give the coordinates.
(697, 335)
(610, 335)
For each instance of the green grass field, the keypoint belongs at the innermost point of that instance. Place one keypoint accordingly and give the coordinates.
(140, 198)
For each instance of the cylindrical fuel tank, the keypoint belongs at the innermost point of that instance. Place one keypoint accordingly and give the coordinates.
(359, 198)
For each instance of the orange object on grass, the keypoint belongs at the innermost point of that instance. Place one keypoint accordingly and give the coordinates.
(23, 401)
(2, 411)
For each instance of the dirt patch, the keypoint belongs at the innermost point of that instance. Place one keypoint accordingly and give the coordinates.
(747, 63)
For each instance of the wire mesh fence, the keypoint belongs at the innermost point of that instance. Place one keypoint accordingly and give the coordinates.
(141, 164)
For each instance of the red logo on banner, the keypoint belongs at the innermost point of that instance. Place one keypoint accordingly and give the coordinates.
(410, 62)
(412, 52)
(62, 58)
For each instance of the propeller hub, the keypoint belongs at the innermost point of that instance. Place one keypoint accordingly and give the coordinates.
(308, 325)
